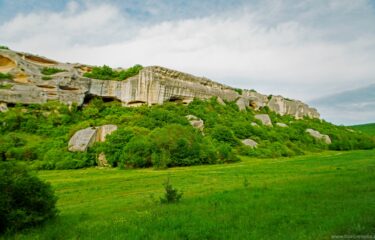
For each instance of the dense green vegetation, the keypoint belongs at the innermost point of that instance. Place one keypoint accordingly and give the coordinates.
(159, 136)
(25, 200)
(5, 76)
(51, 71)
(4, 47)
(366, 128)
(306, 197)
(107, 73)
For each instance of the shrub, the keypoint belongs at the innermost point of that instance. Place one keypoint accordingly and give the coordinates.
(103, 73)
(5, 76)
(171, 195)
(130, 72)
(51, 71)
(4, 47)
(46, 78)
(6, 86)
(25, 201)
(107, 73)
(223, 134)
(137, 153)
(238, 90)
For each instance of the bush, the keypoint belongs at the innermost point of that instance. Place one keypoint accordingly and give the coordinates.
(238, 90)
(107, 73)
(46, 78)
(4, 47)
(171, 195)
(224, 134)
(5, 76)
(130, 72)
(25, 201)
(51, 71)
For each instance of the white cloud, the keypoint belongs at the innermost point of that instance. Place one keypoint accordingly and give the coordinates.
(277, 47)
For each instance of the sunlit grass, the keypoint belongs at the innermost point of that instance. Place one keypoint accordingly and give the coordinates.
(306, 197)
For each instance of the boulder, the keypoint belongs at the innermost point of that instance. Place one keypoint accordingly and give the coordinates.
(265, 119)
(283, 125)
(196, 122)
(220, 101)
(85, 138)
(102, 161)
(241, 103)
(105, 130)
(82, 139)
(249, 142)
(317, 135)
(3, 107)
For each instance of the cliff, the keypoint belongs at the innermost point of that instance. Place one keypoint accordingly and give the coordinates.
(153, 85)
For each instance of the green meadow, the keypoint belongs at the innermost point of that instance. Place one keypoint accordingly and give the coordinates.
(317, 196)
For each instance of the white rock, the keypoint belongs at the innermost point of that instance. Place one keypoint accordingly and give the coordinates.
(283, 125)
(249, 142)
(317, 135)
(264, 118)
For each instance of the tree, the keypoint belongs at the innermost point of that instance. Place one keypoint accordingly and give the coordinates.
(25, 200)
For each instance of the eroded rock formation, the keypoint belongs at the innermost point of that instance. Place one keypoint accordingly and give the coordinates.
(317, 135)
(85, 138)
(153, 85)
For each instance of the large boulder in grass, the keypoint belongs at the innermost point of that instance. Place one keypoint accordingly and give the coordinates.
(249, 142)
(85, 138)
(196, 122)
(265, 119)
(317, 135)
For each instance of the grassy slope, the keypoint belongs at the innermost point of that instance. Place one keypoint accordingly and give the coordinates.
(306, 197)
(366, 128)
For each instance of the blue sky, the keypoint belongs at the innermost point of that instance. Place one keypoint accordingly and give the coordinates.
(307, 50)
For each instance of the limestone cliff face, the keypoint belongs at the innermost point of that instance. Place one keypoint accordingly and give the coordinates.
(153, 85)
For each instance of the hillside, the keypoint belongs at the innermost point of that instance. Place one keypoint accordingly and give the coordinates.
(56, 136)
(67, 116)
(365, 128)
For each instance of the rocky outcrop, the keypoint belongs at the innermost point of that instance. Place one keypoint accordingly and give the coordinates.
(153, 85)
(317, 135)
(264, 118)
(196, 122)
(85, 138)
(82, 140)
(249, 142)
(220, 101)
(291, 107)
(103, 131)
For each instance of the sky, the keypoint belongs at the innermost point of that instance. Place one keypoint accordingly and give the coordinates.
(312, 50)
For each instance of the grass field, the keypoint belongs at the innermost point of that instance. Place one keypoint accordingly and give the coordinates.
(366, 128)
(307, 197)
